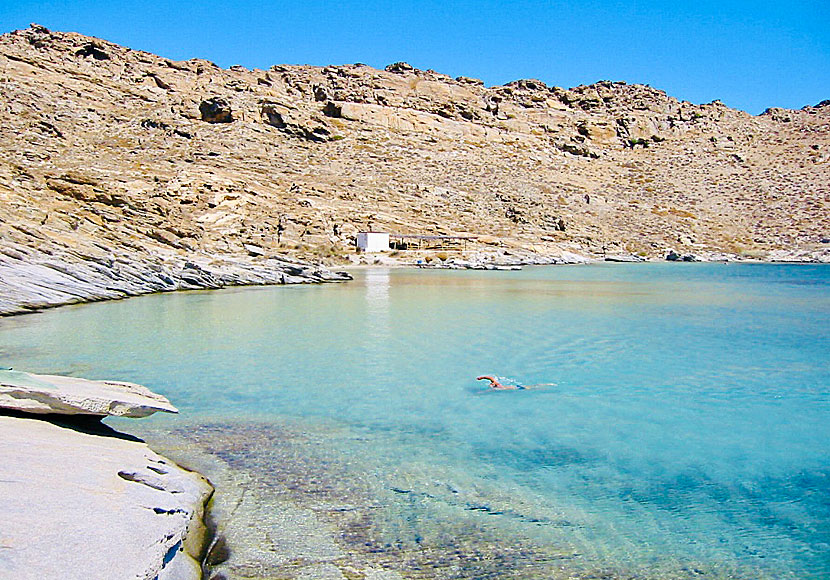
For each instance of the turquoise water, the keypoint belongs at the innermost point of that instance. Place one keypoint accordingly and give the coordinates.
(687, 433)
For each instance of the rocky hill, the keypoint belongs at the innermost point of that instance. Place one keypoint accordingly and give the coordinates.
(124, 172)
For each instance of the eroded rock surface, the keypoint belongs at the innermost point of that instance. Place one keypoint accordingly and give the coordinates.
(51, 394)
(31, 278)
(79, 505)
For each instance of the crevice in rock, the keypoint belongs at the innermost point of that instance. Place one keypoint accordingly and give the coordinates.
(142, 479)
(167, 512)
(171, 553)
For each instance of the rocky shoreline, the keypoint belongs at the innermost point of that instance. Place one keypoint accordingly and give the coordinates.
(81, 500)
(516, 259)
(31, 280)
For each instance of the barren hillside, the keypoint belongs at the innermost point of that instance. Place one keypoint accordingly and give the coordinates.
(130, 172)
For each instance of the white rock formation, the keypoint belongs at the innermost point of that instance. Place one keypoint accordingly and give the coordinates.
(44, 394)
(77, 505)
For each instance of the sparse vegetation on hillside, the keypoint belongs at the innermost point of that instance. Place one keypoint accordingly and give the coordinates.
(118, 154)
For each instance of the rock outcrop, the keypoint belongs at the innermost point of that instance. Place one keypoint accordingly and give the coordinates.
(50, 394)
(80, 505)
(216, 110)
(118, 168)
(80, 500)
(41, 275)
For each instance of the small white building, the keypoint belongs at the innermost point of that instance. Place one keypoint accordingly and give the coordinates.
(373, 242)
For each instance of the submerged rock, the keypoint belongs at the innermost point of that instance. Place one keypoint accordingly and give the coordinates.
(50, 394)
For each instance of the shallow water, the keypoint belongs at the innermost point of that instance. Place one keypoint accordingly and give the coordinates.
(687, 433)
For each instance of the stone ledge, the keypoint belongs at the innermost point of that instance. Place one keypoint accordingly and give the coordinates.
(48, 394)
(79, 505)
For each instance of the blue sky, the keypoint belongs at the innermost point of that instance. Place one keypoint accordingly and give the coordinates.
(750, 55)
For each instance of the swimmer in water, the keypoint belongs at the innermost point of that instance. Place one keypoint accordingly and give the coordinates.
(495, 384)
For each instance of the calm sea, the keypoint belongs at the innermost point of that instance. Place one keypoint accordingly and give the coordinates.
(686, 433)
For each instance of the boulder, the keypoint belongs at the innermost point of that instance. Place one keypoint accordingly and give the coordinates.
(469, 81)
(79, 505)
(673, 256)
(94, 50)
(50, 394)
(400, 68)
(293, 123)
(216, 110)
(274, 114)
(598, 131)
(574, 148)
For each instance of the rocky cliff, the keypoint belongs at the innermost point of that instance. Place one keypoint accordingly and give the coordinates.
(131, 172)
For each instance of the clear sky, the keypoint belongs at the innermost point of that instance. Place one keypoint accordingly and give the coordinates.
(749, 54)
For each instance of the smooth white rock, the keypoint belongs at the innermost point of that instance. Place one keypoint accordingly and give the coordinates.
(78, 506)
(41, 394)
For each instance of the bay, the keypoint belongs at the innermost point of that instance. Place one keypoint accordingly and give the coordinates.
(681, 429)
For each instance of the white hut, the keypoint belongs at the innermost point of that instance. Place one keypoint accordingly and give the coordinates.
(373, 242)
